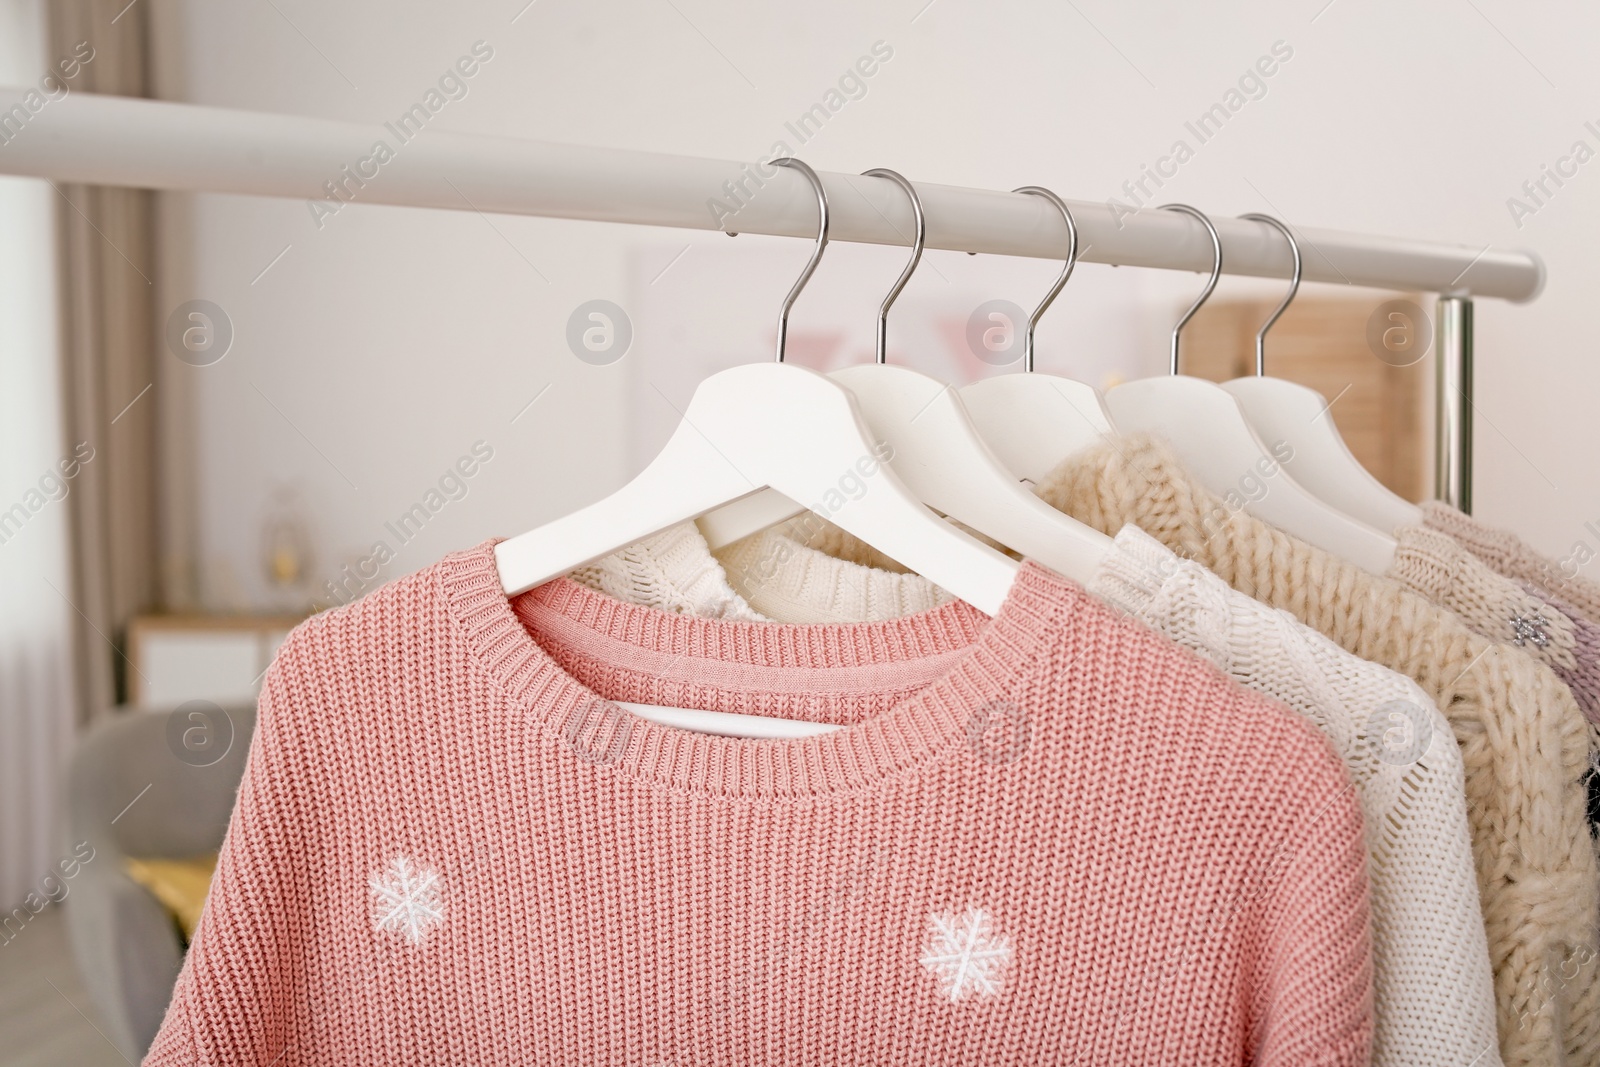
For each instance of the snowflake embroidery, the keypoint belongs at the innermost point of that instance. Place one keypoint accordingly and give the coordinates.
(966, 953)
(1527, 628)
(406, 900)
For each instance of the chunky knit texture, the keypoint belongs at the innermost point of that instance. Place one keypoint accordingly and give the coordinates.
(1434, 990)
(1438, 567)
(1046, 837)
(1523, 741)
(1509, 555)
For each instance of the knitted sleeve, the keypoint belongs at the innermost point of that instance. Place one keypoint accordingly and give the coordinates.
(1511, 556)
(1585, 678)
(1313, 988)
(240, 995)
(1523, 741)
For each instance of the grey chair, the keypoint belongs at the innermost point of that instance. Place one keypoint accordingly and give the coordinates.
(126, 945)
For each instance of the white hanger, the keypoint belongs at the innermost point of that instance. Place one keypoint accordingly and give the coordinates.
(941, 457)
(1282, 410)
(1209, 430)
(767, 425)
(1033, 421)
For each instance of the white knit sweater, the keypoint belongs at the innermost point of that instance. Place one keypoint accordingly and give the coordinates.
(672, 571)
(1433, 986)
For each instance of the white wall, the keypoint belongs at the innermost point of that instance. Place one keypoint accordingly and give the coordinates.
(380, 347)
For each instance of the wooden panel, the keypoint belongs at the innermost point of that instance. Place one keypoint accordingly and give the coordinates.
(1322, 343)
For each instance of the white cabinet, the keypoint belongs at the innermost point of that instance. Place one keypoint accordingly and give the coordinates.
(175, 658)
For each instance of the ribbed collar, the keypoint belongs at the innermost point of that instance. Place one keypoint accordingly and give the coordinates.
(904, 689)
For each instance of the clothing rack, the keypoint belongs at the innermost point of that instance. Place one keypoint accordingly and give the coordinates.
(122, 141)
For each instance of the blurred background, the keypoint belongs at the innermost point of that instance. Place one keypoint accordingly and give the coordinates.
(171, 502)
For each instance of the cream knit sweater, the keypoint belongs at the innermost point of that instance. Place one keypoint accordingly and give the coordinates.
(1510, 556)
(671, 571)
(1436, 565)
(1523, 740)
(777, 574)
(1433, 987)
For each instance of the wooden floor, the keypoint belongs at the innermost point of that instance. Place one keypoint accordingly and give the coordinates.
(46, 1019)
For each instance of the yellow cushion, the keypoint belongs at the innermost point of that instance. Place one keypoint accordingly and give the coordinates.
(180, 885)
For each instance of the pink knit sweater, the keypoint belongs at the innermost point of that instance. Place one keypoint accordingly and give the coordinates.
(1046, 837)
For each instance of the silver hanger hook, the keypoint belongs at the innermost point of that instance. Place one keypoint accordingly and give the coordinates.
(1066, 271)
(1216, 272)
(816, 253)
(1294, 287)
(916, 253)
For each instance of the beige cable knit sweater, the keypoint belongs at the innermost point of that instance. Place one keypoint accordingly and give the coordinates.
(1523, 740)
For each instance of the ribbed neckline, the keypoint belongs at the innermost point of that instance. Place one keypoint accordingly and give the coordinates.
(966, 659)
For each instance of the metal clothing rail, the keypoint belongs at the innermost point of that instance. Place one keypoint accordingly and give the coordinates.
(121, 141)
